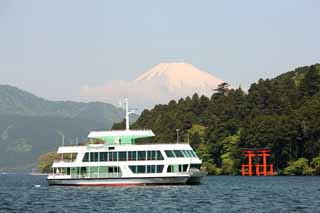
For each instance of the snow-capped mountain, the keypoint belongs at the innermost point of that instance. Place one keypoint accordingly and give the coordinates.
(180, 76)
(160, 84)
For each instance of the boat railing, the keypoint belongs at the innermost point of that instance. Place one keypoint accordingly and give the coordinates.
(96, 175)
(166, 143)
(87, 175)
(137, 143)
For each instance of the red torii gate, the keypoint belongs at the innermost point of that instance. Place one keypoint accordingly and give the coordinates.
(247, 169)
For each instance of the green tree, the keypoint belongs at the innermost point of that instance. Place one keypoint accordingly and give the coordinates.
(310, 85)
(203, 152)
(222, 89)
(231, 155)
(298, 167)
(46, 161)
(315, 164)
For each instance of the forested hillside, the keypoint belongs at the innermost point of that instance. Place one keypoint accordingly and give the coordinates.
(14, 101)
(31, 126)
(281, 113)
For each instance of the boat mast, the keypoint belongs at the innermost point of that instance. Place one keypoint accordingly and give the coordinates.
(127, 115)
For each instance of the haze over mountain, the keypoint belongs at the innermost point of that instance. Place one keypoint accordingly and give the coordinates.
(158, 85)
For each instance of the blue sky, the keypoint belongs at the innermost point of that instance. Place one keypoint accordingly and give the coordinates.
(54, 48)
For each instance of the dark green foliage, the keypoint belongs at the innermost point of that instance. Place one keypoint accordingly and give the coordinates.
(298, 167)
(310, 84)
(315, 164)
(281, 114)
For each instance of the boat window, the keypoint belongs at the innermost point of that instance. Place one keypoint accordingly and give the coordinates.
(103, 169)
(194, 154)
(191, 153)
(159, 168)
(169, 154)
(83, 170)
(86, 157)
(149, 155)
(185, 167)
(186, 153)
(177, 168)
(141, 155)
(110, 156)
(195, 166)
(178, 153)
(93, 156)
(62, 170)
(122, 156)
(141, 169)
(159, 155)
(154, 155)
(153, 169)
(73, 170)
(103, 156)
(170, 169)
(132, 156)
(110, 169)
(115, 156)
(92, 169)
(133, 169)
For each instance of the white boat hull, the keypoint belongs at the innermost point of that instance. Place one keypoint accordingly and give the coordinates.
(120, 181)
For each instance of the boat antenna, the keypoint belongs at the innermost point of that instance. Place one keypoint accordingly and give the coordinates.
(128, 112)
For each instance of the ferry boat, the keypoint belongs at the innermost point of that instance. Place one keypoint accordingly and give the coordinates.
(119, 161)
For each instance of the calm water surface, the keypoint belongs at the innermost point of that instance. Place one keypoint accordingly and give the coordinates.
(19, 193)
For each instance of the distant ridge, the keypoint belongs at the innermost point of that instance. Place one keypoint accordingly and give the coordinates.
(15, 101)
(31, 126)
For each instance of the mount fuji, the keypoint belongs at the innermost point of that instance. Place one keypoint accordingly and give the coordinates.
(160, 84)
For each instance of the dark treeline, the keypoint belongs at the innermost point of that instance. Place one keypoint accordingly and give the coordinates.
(282, 114)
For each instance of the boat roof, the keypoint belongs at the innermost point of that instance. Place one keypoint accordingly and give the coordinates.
(125, 136)
(122, 133)
(119, 147)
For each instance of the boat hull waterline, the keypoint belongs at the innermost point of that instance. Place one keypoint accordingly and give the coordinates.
(119, 181)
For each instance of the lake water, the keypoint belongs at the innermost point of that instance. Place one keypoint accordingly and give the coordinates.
(20, 193)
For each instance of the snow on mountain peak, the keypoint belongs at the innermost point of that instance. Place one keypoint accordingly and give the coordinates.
(159, 85)
(179, 75)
